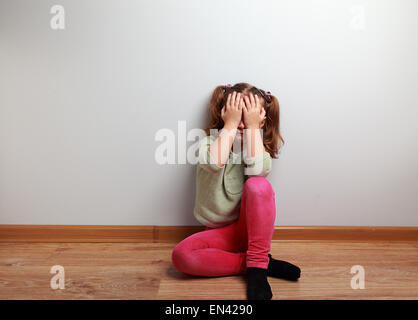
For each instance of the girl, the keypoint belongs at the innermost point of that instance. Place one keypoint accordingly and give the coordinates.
(234, 200)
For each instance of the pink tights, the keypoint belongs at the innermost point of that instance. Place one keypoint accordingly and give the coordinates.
(229, 250)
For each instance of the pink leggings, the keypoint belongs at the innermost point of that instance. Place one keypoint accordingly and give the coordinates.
(230, 249)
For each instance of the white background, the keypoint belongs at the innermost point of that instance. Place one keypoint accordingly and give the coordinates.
(79, 108)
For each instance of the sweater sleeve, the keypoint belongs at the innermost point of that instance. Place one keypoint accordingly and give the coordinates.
(206, 160)
(259, 165)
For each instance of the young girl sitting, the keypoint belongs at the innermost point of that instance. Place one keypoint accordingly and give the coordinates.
(234, 200)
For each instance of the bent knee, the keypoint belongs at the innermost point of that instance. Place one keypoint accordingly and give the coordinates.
(259, 186)
(179, 257)
(182, 255)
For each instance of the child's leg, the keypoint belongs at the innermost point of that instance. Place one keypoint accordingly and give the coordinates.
(256, 221)
(231, 249)
(210, 253)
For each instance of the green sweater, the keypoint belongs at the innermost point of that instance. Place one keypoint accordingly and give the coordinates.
(219, 189)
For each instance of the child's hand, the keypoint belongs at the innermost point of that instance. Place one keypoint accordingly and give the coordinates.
(253, 112)
(231, 112)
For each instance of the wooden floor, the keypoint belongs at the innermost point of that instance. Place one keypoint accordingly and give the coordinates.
(145, 271)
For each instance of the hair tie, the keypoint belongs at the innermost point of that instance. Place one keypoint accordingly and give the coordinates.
(268, 95)
(227, 86)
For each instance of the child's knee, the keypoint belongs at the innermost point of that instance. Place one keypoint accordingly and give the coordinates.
(259, 185)
(182, 254)
(179, 256)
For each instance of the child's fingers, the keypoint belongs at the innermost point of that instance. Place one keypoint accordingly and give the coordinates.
(228, 101)
(238, 100)
(234, 94)
(257, 102)
(241, 103)
(252, 100)
(247, 102)
(244, 109)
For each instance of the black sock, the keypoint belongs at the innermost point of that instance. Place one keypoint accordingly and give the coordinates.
(282, 269)
(258, 287)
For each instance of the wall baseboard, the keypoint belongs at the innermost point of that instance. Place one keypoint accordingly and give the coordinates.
(91, 233)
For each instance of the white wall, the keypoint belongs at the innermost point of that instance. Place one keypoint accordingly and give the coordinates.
(79, 108)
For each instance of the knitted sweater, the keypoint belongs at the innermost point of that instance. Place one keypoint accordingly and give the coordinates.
(219, 189)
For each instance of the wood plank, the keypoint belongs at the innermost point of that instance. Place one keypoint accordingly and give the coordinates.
(145, 271)
(75, 233)
(346, 233)
(167, 234)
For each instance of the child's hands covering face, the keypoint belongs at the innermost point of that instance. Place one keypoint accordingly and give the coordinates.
(231, 112)
(253, 112)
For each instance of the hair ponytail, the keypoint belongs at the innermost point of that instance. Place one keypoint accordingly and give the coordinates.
(272, 138)
(215, 106)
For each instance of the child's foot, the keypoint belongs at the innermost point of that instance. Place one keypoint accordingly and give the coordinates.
(258, 287)
(282, 269)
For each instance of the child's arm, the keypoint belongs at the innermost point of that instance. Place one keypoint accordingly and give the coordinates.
(231, 114)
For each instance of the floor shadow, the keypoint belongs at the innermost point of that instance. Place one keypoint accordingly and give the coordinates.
(173, 273)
